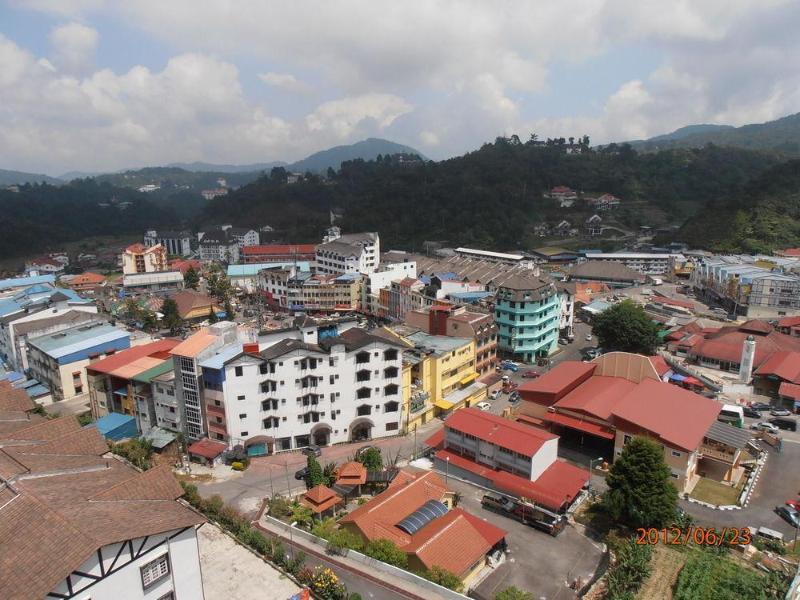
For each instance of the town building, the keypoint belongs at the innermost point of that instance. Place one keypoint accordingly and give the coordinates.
(197, 306)
(87, 283)
(321, 390)
(460, 322)
(406, 295)
(600, 406)
(416, 512)
(269, 278)
(642, 262)
(76, 522)
(567, 292)
(751, 286)
(324, 293)
(498, 257)
(9, 287)
(612, 273)
(554, 254)
(218, 245)
(349, 253)
(281, 253)
(44, 264)
(509, 457)
(58, 360)
(176, 243)
(159, 282)
(212, 193)
(121, 383)
(138, 258)
(394, 267)
(594, 225)
(604, 202)
(527, 313)
(188, 375)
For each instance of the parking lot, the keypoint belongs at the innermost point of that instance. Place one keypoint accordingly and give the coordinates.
(536, 562)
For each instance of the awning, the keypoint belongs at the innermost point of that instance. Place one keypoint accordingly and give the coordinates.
(468, 379)
(692, 381)
(677, 377)
(585, 426)
(443, 404)
(529, 420)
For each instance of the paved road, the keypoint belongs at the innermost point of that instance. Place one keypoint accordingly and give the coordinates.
(275, 473)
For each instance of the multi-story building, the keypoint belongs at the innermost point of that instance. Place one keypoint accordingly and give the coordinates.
(9, 287)
(496, 257)
(642, 262)
(461, 322)
(103, 530)
(139, 258)
(176, 243)
(350, 253)
(752, 286)
(281, 253)
(406, 295)
(188, 375)
(325, 390)
(35, 311)
(58, 360)
(242, 236)
(324, 292)
(268, 277)
(390, 271)
(567, 292)
(527, 313)
(165, 400)
(219, 245)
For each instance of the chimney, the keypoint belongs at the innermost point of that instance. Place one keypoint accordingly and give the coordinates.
(748, 357)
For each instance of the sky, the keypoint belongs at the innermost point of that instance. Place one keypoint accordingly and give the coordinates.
(101, 85)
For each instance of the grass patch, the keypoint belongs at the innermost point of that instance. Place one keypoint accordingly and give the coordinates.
(716, 493)
(665, 565)
(204, 477)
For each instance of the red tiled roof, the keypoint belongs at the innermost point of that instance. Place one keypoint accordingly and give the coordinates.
(436, 439)
(87, 278)
(673, 302)
(659, 364)
(790, 390)
(726, 343)
(46, 260)
(158, 349)
(559, 481)
(557, 382)
(499, 431)
(14, 399)
(597, 396)
(136, 248)
(280, 249)
(790, 252)
(679, 417)
(789, 321)
(207, 449)
(579, 424)
(756, 326)
(182, 265)
(785, 365)
(352, 473)
(320, 498)
(455, 541)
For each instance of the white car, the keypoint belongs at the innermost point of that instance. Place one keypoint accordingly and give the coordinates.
(764, 426)
(588, 337)
(483, 405)
(496, 394)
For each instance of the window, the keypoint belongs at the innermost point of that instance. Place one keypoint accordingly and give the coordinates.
(244, 434)
(391, 407)
(392, 426)
(167, 596)
(626, 438)
(362, 357)
(676, 453)
(390, 390)
(238, 371)
(363, 410)
(390, 372)
(390, 354)
(364, 392)
(362, 375)
(242, 415)
(154, 571)
(240, 397)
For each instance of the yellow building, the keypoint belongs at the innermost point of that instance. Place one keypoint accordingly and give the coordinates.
(138, 258)
(441, 375)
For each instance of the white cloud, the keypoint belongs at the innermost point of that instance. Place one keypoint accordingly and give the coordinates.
(74, 46)
(429, 138)
(344, 116)
(285, 81)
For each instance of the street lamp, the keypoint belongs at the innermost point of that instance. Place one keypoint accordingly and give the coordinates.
(591, 463)
(446, 469)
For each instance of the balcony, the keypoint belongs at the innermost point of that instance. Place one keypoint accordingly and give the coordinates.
(215, 410)
(218, 428)
(709, 452)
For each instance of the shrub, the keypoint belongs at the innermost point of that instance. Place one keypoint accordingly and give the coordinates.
(354, 596)
(326, 585)
(632, 568)
(279, 507)
(305, 576)
(771, 545)
(342, 539)
(294, 565)
(136, 451)
(237, 466)
(362, 501)
(513, 593)
(191, 495)
(278, 553)
(213, 505)
(371, 459)
(386, 551)
(444, 578)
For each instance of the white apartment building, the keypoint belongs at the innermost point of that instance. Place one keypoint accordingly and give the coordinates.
(382, 279)
(350, 253)
(322, 390)
(165, 402)
(176, 243)
(219, 246)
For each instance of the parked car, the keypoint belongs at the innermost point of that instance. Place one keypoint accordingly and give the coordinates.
(751, 413)
(312, 450)
(531, 374)
(510, 387)
(514, 398)
(760, 406)
(512, 368)
(764, 426)
(495, 394)
(588, 337)
(789, 514)
(784, 423)
(483, 405)
(780, 412)
(302, 473)
(794, 504)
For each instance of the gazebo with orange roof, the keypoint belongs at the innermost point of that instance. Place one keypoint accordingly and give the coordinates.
(320, 499)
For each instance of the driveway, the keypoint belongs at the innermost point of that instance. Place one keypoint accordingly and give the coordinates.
(779, 482)
(537, 562)
(275, 474)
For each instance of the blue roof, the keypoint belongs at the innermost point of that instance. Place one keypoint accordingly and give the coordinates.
(65, 344)
(225, 354)
(23, 281)
(252, 269)
(448, 276)
(113, 421)
(469, 296)
(9, 306)
(37, 390)
(426, 279)
(598, 306)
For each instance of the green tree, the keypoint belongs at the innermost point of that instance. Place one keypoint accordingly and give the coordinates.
(329, 474)
(443, 577)
(371, 459)
(625, 327)
(191, 279)
(171, 319)
(513, 593)
(137, 451)
(386, 551)
(302, 515)
(315, 475)
(640, 493)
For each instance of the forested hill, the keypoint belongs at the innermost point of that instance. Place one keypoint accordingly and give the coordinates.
(781, 135)
(764, 215)
(42, 217)
(490, 197)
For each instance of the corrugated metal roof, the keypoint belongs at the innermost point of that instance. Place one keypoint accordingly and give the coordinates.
(77, 338)
(729, 435)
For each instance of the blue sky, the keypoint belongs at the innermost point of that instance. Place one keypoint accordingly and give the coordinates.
(100, 85)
